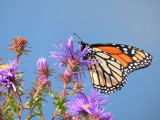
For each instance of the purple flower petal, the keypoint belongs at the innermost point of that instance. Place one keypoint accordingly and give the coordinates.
(70, 45)
(7, 75)
(92, 105)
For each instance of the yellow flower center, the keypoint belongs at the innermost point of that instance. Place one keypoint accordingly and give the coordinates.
(85, 106)
(4, 66)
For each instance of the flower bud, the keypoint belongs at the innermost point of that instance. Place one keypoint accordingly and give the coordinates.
(78, 86)
(18, 45)
(43, 67)
(42, 81)
(67, 76)
(67, 115)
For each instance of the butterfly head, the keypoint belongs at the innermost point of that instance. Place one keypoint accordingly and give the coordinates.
(83, 45)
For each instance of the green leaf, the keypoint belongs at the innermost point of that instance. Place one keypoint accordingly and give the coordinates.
(9, 102)
(4, 93)
(14, 107)
(50, 93)
(59, 105)
(56, 93)
(20, 74)
(28, 107)
(39, 106)
(38, 115)
(55, 98)
(20, 89)
(5, 106)
(30, 117)
(36, 100)
(12, 103)
(15, 111)
(8, 114)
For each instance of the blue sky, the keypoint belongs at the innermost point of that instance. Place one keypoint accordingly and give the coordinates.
(131, 22)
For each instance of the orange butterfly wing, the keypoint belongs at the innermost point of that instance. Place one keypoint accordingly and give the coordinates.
(117, 54)
(116, 62)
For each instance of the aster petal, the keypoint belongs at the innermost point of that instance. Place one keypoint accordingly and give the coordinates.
(106, 116)
(67, 49)
(7, 74)
(70, 45)
(85, 51)
(96, 98)
(14, 88)
(56, 53)
(85, 62)
(79, 50)
(91, 105)
(75, 76)
(60, 48)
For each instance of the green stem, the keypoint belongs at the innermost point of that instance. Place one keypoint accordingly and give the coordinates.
(14, 95)
(31, 111)
(42, 114)
(29, 101)
(6, 99)
(1, 113)
(17, 60)
(62, 95)
(20, 102)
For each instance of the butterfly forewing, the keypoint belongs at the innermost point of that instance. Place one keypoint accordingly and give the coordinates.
(130, 57)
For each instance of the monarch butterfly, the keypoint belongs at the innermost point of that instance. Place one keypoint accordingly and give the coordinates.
(115, 62)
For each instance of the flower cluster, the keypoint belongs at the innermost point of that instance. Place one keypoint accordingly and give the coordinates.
(70, 59)
(8, 74)
(79, 107)
(89, 106)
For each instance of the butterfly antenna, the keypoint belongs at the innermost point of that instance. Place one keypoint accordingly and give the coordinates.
(77, 36)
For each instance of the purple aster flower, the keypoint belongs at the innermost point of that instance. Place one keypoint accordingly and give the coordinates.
(91, 105)
(42, 63)
(96, 98)
(70, 59)
(100, 114)
(43, 67)
(106, 116)
(80, 104)
(7, 75)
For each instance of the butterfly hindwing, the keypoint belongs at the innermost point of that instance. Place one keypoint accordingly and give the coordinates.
(116, 61)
